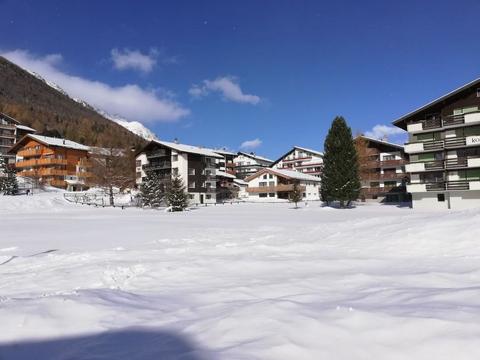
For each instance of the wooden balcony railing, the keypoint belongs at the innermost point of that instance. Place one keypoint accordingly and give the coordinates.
(385, 176)
(382, 190)
(58, 183)
(40, 162)
(52, 172)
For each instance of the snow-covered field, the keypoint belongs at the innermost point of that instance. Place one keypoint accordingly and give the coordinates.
(247, 281)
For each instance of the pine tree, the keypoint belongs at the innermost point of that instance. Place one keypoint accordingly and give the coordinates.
(296, 195)
(177, 197)
(8, 178)
(152, 190)
(340, 179)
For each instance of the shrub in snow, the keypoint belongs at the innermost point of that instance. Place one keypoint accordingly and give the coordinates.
(340, 179)
(152, 190)
(296, 195)
(177, 197)
(8, 178)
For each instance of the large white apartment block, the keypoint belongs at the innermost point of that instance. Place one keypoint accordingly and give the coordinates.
(11, 131)
(271, 184)
(301, 159)
(247, 164)
(196, 167)
(444, 148)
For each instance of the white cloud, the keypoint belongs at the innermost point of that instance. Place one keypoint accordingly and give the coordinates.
(251, 144)
(130, 101)
(227, 86)
(384, 132)
(134, 59)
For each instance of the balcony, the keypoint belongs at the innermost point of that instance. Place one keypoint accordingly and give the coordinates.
(431, 145)
(271, 189)
(157, 166)
(386, 176)
(456, 185)
(52, 172)
(382, 190)
(425, 166)
(372, 164)
(446, 121)
(29, 152)
(157, 153)
(7, 126)
(40, 162)
(297, 159)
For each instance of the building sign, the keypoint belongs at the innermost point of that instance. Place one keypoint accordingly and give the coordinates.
(473, 140)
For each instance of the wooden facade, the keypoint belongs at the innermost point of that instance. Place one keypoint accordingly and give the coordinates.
(48, 164)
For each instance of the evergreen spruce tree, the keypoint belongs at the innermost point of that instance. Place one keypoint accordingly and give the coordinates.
(152, 190)
(340, 178)
(296, 195)
(8, 178)
(177, 197)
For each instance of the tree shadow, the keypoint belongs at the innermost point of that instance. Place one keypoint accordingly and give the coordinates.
(125, 344)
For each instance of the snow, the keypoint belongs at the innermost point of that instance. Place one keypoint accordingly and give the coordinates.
(295, 175)
(236, 282)
(58, 142)
(190, 149)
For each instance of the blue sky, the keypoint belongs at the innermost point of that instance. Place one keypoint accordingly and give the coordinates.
(270, 73)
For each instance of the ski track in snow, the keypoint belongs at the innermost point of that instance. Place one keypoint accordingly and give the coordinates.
(248, 281)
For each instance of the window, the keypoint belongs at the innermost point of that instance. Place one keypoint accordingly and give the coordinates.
(262, 195)
(271, 183)
(174, 157)
(191, 171)
(191, 196)
(139, 174)
(175, 171)
(304, 195)
(191, 185)
(208, 196)
(441, 197)
(271, 194)
(270, 176)
(262, 183)
(265, 176)
(388, 157)
(478, 92)
(138, 163)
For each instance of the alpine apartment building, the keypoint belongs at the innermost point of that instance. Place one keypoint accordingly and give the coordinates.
(196, 167)
(444, 149)
(11, 131)
(247, 164)
(271, 184)
(52, 161)
(304, 160)
(382, 170)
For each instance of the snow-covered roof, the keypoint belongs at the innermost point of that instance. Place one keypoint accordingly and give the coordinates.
(319, 153)
(240, 182)
(255, 156)
(189, 149)
(51, 141)
(292, 149)
(398, 146)
(24, 127)
(296, 175)
(289, 174)
(224, 174)
(400, 121)
(223, 152)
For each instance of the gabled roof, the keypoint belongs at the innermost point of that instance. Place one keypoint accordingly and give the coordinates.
(24, 127)
(49, 141)
(292, 150)
(3, 115)
(184, 148)
(220, 173)
(383, 142)
(254, 156)
(400, 122)
(223, 152)
(288, 174)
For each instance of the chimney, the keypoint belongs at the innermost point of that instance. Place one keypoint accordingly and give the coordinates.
(175, 140)
(63, 141)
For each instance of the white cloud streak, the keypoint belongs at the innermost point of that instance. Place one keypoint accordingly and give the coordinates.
(384, 132)
(228, 87)
(129, 101)
(133, 59)
(251, 144)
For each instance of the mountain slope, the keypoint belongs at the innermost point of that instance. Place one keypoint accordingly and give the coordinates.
(49, 110)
